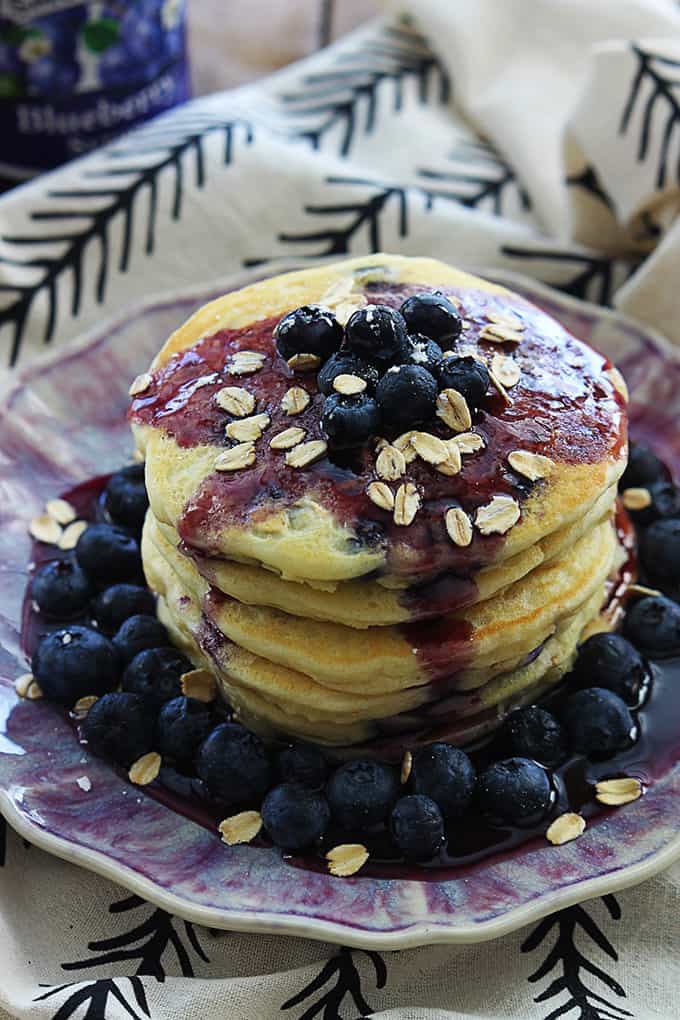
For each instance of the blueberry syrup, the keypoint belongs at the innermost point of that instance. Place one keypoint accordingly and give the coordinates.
(471, 843)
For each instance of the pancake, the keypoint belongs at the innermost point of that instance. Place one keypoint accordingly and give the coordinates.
(317, 524)
(276, 701)
(365, 617)
(369, 603)
(340, 707)
(386, 659)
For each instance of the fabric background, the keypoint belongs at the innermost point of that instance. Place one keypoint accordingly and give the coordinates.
(539, 136)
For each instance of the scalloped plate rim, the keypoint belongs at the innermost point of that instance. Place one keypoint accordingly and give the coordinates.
(266, 922)
(320, 929)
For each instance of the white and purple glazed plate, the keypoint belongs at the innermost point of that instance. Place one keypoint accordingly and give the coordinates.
(63, 421)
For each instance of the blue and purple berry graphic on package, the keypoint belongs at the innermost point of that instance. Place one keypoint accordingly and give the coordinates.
(73, 78)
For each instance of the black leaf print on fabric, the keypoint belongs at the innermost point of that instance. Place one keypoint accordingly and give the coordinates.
(128, 190)
(344, 990)
(654, 88)
(4, 829)
(366, 216)
(575, 967)
(95, 997)
(647, 228)
(146, 942)
(589, 277)
(343, 99)
(590, 182)
(481, 179)
(385, 206)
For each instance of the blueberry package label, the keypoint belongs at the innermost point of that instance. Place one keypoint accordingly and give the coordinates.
(74, 75)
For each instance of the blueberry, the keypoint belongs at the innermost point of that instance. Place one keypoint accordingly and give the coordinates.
(423, 352)
(182, 724)
(61, 589)
(346, 363)
(644, 468)
(349, 421)
(184, 786)
(361, 793)
(516, 791)
(75, 662)
(660, 553)
(446, 774)
(133, 473)
(233, 764)
(434, 315)
(608, 660)
(665, 502)
(466, 375)
(308, 330)
(113, 606)
(533, 732)
(598, 722)
(155, 674)
(377, 333)
(119, 727)
(406, 395)
(302, 763)
(295, 816)
(417, 826)
(137, 634)
(653, 625)
(108, 554)
(125, 497)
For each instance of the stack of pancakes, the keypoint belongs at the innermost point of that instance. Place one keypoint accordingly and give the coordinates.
(322, 610)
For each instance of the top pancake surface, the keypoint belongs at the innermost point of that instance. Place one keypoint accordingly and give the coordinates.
(317, 523)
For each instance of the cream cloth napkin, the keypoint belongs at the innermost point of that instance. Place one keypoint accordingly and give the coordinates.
(539, 136)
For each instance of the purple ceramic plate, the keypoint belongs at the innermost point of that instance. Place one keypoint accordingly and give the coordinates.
(64, 421)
